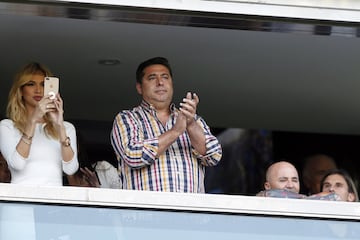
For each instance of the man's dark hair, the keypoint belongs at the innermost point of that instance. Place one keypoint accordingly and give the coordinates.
(152, 61)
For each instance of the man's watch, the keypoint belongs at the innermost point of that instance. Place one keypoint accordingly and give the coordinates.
(66, 142)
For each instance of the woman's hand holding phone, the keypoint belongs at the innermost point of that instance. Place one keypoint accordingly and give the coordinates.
(51, 87)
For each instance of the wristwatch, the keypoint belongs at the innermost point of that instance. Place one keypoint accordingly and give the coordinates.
(66, 142)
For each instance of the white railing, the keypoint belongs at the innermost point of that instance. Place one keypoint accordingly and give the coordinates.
(36, 213)
(216, 203)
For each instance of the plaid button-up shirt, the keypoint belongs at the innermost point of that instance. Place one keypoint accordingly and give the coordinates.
(180, 168)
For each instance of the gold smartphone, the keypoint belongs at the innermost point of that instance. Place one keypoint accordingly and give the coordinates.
(51, 86)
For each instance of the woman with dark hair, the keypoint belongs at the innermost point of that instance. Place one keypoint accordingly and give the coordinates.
(340, 182)
(36, 142)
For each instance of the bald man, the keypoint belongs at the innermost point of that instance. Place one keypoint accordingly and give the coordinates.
(282, 175)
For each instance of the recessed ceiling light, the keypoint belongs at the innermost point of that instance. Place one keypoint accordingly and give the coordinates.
(109, 62)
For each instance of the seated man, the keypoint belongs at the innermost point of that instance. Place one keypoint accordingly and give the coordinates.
(282, 181)
(281, 176)
(315, 167)
(339, 181)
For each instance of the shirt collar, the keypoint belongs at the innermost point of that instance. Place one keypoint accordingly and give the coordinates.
(148, 107)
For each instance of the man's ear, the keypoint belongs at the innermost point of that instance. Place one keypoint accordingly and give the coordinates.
(351, 197)
(138, 88)
(267, 186)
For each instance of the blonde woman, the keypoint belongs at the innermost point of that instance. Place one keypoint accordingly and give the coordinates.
(36, 142)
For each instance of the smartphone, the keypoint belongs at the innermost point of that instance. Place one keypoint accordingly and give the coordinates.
(51, 86)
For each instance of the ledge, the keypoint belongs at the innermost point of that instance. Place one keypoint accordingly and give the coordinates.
(209, 203)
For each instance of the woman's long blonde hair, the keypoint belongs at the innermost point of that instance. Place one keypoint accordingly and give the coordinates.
(16, 110)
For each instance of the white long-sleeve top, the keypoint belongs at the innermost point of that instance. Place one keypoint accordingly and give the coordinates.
(44, 165)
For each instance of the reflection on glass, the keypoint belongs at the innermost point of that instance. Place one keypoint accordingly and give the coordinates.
(28, 221)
